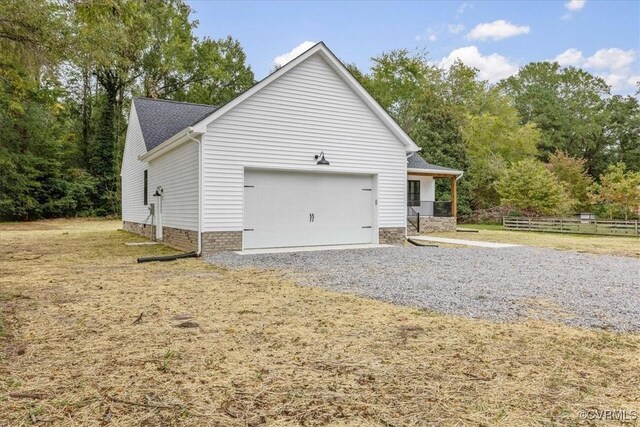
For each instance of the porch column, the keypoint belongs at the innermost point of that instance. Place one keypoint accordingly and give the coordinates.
(454, 197)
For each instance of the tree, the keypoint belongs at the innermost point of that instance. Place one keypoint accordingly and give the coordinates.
(623, 131)
(217, 74)
(571, 172)
(618, 191)
(130, 46)
(530, 186)
(569, 107)
(32, 142)
(494, 142)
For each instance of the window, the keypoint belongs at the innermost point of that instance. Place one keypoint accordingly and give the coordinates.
(146, 181)
(413, 193)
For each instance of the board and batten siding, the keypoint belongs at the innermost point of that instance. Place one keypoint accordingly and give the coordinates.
(177, 173)
(307, 110)
(132, 174)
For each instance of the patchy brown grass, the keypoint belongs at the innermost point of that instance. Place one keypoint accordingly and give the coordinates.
(604, 245)
(258, 349)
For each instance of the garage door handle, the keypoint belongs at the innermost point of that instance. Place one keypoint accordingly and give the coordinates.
(312, 217)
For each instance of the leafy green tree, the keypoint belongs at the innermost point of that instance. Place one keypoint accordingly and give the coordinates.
(218, 73)
(618, 192)
(528, 185)
(494, 142)
(571, 172)
(149, 48)
(623, 131)
(569, 107)
(32, 145)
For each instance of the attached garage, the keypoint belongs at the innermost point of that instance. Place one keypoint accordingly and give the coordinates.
(289, 209)
(306, 157)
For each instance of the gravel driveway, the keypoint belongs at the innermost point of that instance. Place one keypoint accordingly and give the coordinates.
(498, 284)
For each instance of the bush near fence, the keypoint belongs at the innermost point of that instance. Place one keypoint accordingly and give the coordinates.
(573, 225)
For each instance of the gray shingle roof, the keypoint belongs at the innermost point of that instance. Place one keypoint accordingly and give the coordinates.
(161, 119)
(415, 161)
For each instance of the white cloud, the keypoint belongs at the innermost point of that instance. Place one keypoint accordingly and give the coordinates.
(497, 30)
(570, 57)
(281, 60)
(575, 4)
(613, 65)
(492, 67)
(613, 59)
(432, 34)
(455, 28)
(461, 9)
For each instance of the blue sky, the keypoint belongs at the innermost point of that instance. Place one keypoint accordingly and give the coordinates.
(494, 36)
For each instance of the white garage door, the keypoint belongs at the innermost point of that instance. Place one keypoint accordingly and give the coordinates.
(288, 209)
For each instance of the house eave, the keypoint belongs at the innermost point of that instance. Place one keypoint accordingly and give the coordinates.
(434, 172)
(175, 141)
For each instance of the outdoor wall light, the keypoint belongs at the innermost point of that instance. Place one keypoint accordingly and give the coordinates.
(158, 192)
(322, 160)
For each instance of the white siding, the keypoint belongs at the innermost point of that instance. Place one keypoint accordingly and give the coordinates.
(177, 173)
(132, 173)
(307, 110)
(427, 187)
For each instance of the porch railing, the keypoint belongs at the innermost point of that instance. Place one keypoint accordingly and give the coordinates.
(413, 217)
(429, 208)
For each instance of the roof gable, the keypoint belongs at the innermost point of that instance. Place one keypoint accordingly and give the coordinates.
(161, 119)
(340, 69)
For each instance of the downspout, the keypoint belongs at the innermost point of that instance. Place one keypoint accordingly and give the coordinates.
(199, 142)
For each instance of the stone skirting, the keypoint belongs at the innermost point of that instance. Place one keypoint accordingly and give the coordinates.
(179, 238)
(218, 241)
(433, 224)
(144, 230)
(391, 236)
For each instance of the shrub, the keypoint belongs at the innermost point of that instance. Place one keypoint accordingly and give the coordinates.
(529, 186)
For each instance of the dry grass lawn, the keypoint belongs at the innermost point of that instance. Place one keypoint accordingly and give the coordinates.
(262, 350)
(604, 245)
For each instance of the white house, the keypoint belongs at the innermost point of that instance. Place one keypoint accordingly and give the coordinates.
(305, 157)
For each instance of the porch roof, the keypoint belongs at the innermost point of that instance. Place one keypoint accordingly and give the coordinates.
(417, 165)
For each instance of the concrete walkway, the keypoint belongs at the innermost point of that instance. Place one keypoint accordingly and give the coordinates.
(463, 242)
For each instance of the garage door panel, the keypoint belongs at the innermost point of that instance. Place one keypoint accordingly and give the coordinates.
(278, 206)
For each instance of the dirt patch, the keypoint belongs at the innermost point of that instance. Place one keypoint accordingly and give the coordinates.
(266, 351)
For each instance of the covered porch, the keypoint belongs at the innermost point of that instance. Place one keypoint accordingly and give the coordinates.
(424, 213)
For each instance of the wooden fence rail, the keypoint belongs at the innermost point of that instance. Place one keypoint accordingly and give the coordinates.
(573, 225)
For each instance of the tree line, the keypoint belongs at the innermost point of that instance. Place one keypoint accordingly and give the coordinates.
(548, 140)
(68, 71)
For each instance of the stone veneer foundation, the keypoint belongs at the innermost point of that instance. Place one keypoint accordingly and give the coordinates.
(391, 236)
(186, 240)
(218, 241)
(432, 224)
(144, 230)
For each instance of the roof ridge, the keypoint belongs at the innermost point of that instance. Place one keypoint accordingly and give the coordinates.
(174, 102)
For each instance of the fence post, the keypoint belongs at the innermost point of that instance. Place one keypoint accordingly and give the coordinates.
(636, 227)
(528, 223)
(561, 225)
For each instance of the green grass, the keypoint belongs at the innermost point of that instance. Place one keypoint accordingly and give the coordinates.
(481, 226)
(597, 244)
